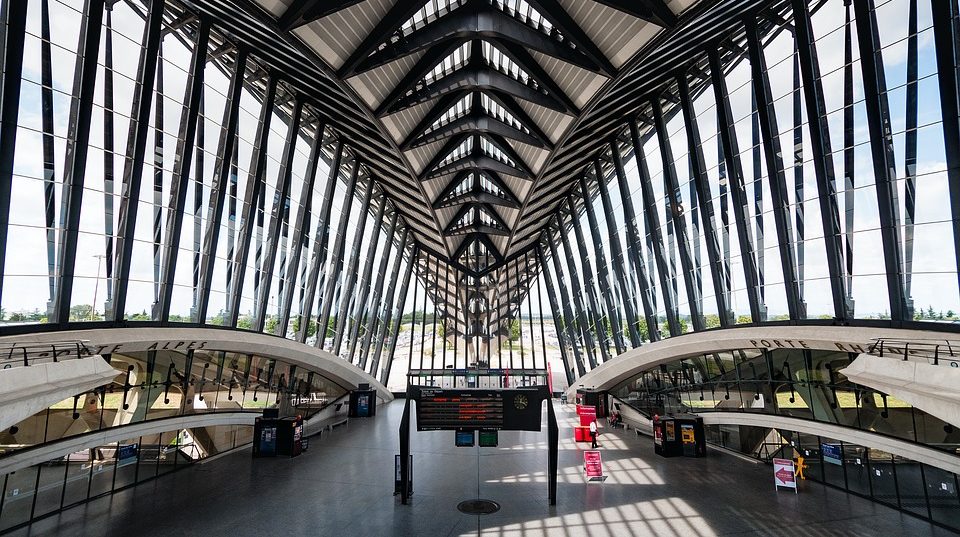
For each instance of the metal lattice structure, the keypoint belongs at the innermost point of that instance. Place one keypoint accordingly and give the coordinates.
(314, 163)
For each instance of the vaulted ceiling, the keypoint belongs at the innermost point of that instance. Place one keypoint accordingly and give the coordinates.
(476, 96)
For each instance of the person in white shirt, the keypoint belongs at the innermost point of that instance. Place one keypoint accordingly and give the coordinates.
(593, 434)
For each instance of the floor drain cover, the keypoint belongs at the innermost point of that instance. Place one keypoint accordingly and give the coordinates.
(478, 507)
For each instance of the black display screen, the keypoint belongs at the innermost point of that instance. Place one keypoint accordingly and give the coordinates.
(474, 409)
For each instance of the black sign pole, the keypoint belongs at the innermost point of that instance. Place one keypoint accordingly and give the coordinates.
(405, 453)
(553, 435)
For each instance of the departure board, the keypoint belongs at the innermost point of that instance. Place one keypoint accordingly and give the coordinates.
(459, 409)
(492, 409)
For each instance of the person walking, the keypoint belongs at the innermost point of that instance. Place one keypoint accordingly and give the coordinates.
(593, 434)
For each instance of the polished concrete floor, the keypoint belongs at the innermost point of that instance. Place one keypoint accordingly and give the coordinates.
(343, 486)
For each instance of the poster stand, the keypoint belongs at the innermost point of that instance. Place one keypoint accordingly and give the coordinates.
(784, 475)
(593, 466)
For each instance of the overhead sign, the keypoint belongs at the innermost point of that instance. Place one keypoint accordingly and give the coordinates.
(592, 466)
(515, 409)
(784, 474)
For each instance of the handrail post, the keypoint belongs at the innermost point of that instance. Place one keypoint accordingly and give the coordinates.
(936, 355)
(906, 350)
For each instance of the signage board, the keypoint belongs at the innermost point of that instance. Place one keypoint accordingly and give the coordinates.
(687, 435)
(832, 454)
(488, 438)
(671, 432)
(516, 409)
(465, 438)
(127, 453)
(784, 474)
(592, 465)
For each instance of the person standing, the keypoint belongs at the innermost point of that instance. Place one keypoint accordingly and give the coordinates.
(593, 434)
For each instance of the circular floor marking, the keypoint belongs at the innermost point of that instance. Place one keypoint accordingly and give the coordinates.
(478, 507)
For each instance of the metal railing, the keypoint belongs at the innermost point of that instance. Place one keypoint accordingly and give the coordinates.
(932, 351)
(26, 354)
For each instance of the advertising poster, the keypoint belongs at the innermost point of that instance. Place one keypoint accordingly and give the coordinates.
(363, 406)
(784, 474)
(686, 434)
(592, 465)
(671, 433)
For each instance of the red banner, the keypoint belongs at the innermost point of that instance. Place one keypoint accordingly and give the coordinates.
(592, 464)
(588, 414)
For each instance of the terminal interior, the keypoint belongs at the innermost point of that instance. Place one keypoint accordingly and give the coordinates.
(480, 267)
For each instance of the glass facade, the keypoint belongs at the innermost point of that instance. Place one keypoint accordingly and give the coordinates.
(808, 385)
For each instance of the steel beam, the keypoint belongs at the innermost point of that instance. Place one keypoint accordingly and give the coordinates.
(75, 168)
(281, 204)
(773, 155)
(559, 326)
(332, 273)
(300, 231)
(946, 37)
(603, 275)
(318, 257)
(251, 199)
(619, 261)
(731, 155)
(698, 170)
(15, 21)
(182, 165)
(592, 304)
(884, 161)
(664, 269)
(221, 178)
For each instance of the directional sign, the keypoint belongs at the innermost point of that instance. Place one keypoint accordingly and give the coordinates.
(784, 474)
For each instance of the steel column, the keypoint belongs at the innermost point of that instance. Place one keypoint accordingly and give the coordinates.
(698, 169)
(593, 304)
(945, 37)
(570, 323)
(881, 148)
(75, 168)
(585, 316)
(616, 253)
(346, 292)
(819, 141)
(558, 326)
(221, 183)
(182, 165)
(377, 303)
(672, 190)
(360, 306)
(731, 155)
(300, 230)
(773, 156)
(318, 256)
(12, 67)
(653, 227)
(251, 199)
(281, 202)
(332, 272)
(613, 313)
(136, 149)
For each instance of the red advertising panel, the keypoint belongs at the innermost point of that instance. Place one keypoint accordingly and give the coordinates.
(592, 465)
(588, 414)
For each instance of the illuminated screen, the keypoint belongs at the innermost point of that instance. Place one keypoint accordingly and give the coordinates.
(464, 438)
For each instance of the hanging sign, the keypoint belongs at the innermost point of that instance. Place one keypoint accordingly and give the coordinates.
(593, 466)
(784, 474)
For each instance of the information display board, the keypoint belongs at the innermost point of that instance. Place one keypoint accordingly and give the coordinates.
(515, 409)
(465, 438)
(489, 438)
